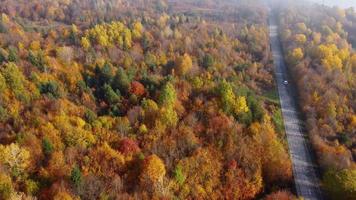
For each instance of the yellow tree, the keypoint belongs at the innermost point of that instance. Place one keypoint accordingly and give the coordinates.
(183, 64)
(35, 45)
(295, 56)
(240, 105)
(137, 30)
(14, 157)
(85, 42)
(153, 171)
(300, 39)
(231, 103)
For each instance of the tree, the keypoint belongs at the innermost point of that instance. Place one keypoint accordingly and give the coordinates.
(240, 105)
(76, 176)
(231, 104)
(121, 81)
(340, 183)
(353, 61)
(296, 55)
(202, 171)
(137, 30)
(15, 158)
(168, 95)
(127, 39)
(183, 64)
(47, 146)
(2, 84)
(51, 89)
(14, 78)
(128, 146)
(62, 195)
(168, 116)
(38, 60)
(329, 56)
(208, 61)
(110, 95)
(300, 39)
(13, 57)
(65, 54)
(136, 88)
(256, 108)
(281, 195)
(85, 42)
(151, 60)
(35, 45)
(6, 187)
(153, 171)
(107, 161)
(179, 175)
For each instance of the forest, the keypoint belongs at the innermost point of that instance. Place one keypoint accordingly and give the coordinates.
(170, 99)
(319, 46)
(139, 99)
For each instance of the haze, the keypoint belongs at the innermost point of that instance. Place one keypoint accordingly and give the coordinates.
(341, 3)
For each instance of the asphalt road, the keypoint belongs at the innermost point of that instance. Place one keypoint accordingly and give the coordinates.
(304, 169)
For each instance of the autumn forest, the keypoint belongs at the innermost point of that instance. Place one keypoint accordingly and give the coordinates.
(168, 99)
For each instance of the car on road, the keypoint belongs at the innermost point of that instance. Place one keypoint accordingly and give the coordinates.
(285, 82)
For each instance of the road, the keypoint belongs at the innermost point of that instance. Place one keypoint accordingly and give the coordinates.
(304, 169)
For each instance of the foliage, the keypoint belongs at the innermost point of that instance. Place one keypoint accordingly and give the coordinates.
(322, 69)
(47, 146)
(51, 89)
(76, 176)
(15, 158)
(124, 100)
(340, 183)
(153, 170)
(231, 103)
(6, 187)
(168, 95)
(183, 64)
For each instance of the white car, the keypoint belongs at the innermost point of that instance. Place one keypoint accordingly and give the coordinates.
(285, 82)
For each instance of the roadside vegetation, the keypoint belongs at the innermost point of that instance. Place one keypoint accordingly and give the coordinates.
(319, 46)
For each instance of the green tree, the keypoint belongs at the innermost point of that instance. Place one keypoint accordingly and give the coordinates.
(179, 175)
(76, 176)
(168, 116)
(12, 55)
(51, 89)
(15, 81)
(150, 60)
(231, 103)
(47, 146)
(121, 81)
(168, 95)
(208, 61)
(110, 95)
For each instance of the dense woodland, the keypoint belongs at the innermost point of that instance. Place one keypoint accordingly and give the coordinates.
(140, 99)
(319, 47)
